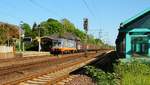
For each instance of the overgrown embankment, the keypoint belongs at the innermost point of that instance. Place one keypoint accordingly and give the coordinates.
(133, 73)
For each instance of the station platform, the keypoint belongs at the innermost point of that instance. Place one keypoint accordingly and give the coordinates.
(31, 54)
(10, 55)
(145, 60)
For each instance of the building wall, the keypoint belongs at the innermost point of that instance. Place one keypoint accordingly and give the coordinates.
(6, 52)
(139, 24)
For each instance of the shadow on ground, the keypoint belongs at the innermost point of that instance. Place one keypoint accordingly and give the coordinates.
(105, 62)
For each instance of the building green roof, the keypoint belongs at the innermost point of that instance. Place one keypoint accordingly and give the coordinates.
(135, 17)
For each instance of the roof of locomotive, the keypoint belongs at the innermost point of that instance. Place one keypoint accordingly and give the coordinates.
(69, 36)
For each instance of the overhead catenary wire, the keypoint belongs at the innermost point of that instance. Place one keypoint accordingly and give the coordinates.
(89, 10)
(44, 8)
(87, 6)
(10, 4)
(92, 13)
(8, 14)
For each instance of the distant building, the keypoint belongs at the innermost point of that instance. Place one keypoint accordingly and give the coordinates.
(134, 36)
(9, 34)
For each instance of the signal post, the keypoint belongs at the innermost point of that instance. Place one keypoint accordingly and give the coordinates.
(85, 26)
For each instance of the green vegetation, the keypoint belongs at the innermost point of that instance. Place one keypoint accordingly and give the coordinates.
(47, 28)
(101, 77)
(134, 73)
(3, 36)
(26, 27)
(8, 32)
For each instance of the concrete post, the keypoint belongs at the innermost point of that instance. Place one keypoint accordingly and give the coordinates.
(132, 47)
(128, 46)
(137, 47)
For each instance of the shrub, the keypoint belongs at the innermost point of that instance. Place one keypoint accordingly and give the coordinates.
(101, 77)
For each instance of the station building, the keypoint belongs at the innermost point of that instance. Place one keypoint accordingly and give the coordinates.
(133, 39)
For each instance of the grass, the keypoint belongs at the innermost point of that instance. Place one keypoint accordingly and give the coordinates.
(134, 73)
(130, 79)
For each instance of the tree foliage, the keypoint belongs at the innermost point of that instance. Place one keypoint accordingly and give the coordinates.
(50, 27)
(8, 32)
(27, 29)
(3, 36)
(34, 30)
(67, 25)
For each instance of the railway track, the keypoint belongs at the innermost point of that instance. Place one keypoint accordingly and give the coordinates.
(50, 78)
(66, 79)
(54, 73)
(17, 65)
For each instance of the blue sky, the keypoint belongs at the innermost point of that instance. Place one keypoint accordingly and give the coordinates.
(104, 15)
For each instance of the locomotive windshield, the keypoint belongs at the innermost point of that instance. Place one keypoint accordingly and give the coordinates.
(56, 43)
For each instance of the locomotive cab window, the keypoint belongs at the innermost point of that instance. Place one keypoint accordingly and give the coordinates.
(56, 43)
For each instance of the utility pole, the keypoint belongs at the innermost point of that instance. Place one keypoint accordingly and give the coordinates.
(21, 36)
(100, 37)
(85, 25)
(100, 32)
(39, 39)
(8, 37)
(23, 41)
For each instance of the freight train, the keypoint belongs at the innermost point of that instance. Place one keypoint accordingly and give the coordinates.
(65, 44)
(62, 45)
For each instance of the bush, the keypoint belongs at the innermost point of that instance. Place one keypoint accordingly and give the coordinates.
(131, 73)
(101, 77)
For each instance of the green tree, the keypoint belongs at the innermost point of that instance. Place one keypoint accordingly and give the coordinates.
(27, 29)
(2, 36)
(34, 26)
(67, 25)
(8, 32)
(80, 34)
(52, 26)
(34, 30)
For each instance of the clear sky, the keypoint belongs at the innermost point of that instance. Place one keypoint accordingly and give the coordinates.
(104, 15)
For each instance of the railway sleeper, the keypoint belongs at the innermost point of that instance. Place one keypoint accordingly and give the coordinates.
(51, 77)
(27, 84)
(35, 82)
(42, 80)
